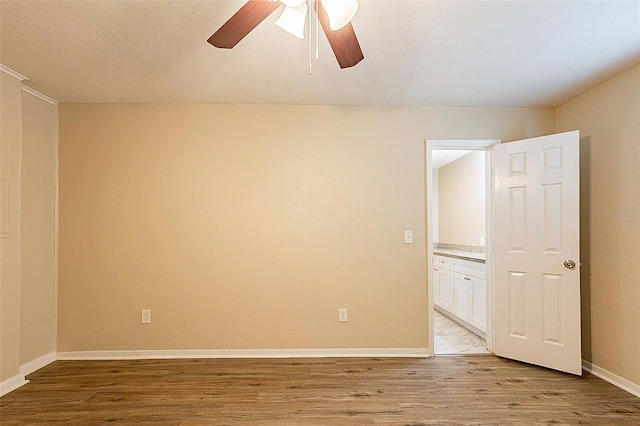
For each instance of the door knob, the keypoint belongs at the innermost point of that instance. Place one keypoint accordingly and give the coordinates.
(570, 264)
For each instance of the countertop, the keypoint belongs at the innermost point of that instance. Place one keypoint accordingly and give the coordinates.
(461, 254)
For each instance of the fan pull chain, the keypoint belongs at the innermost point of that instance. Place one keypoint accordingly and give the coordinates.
(313, 32)
(317, 30)
(309, 19)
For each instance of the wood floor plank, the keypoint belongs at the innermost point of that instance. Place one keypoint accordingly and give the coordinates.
(392, 391)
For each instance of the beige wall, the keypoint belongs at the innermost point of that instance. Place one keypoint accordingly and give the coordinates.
(11, 117)
(248, 226)
(610, 115)
(461, 200)
(38, 269)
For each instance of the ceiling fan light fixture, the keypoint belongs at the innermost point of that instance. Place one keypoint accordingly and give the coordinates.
(340, 12)
(344, 43)
(292, 19)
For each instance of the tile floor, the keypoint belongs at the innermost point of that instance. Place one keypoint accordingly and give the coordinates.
(451, 338)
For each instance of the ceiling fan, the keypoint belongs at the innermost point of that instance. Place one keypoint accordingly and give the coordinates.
(333, 15)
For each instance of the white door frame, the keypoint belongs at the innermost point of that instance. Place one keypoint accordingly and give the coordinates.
(471, 145)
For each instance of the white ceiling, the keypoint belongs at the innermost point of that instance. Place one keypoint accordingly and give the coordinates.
(458, 53)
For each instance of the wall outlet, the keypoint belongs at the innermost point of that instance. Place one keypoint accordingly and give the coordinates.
(146, 316)
(342, 314)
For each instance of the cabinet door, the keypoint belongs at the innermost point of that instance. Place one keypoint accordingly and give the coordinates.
(479, 303)
(460, 295)
(443, 291)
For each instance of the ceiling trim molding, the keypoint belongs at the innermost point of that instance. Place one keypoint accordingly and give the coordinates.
(12, 73)
(39, 95)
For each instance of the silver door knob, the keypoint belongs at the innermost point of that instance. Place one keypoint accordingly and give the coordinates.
(570, 264)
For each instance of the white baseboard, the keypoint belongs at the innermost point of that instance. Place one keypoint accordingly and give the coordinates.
(36, 364)
(12, 384)
(614, 379)
(246, 353)
(27, 368)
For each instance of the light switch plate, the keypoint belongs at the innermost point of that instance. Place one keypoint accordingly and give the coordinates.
(342, 315)
(408, 237)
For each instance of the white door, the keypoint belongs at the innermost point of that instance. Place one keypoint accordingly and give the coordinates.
(537, 248)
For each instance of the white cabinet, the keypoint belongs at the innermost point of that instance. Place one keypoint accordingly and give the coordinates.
(442, 282)
(460, 296)
(478, 303)
(460, 289)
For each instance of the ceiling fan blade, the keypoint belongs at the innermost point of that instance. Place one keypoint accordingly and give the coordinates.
(242, 22)
(343, 42)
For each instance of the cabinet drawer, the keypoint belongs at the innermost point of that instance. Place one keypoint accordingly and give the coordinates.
(473, 269)
(441, 262)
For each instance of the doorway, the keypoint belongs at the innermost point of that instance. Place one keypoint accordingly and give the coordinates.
(532, 265)
(459, 202)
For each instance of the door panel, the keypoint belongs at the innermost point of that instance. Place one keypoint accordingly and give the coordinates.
(516, 325)
(516, 219)
(536, 228)
(552, 309)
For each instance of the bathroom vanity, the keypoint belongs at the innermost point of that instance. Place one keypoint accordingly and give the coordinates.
(460, 288)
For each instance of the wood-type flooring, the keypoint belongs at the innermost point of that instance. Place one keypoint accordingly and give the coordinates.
(464, 390)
